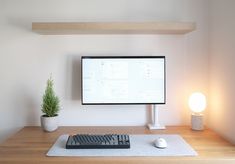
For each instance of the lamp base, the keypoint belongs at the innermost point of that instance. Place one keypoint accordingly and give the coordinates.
(197, 122)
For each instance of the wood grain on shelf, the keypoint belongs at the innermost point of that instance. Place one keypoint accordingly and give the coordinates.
(65, 28)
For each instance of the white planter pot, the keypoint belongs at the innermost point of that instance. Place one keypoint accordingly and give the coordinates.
(49, 124)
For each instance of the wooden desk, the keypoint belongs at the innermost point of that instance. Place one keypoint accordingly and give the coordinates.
(31, 144)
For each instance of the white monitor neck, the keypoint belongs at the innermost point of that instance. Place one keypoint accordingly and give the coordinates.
(155, 119)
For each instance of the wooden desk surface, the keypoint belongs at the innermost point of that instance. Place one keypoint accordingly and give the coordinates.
(31, 144)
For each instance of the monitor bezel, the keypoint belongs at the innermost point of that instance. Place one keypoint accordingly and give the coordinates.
(122, 57)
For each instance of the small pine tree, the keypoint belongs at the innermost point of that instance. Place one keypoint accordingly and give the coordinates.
(50, 105)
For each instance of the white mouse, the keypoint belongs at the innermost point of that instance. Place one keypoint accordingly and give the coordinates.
(160, 143)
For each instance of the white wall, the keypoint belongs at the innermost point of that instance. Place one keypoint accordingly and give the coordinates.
(27, 59)
(222, 74)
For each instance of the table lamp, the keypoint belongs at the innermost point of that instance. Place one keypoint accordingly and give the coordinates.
(197, 103)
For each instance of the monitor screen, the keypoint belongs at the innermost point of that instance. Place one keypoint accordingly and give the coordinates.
(123, 80)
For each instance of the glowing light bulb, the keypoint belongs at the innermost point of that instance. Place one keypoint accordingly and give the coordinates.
(197, 102)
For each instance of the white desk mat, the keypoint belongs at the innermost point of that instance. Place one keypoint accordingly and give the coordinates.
(141, 145)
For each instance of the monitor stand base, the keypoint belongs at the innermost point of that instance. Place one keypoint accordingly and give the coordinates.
(156, 127)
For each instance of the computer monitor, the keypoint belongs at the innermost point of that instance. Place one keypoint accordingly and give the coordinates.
(117, 80)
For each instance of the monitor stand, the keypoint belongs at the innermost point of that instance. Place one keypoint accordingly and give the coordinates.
(155, 120)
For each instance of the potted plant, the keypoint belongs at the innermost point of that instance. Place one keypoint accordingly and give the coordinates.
(50, 108)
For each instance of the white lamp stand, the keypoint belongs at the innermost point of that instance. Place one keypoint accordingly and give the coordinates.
(197, 121)
(155, 120)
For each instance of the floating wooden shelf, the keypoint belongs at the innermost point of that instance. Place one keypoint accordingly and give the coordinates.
(70, 28)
